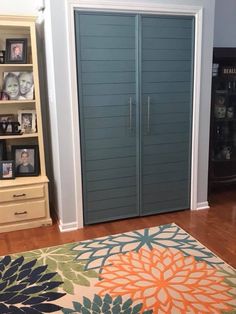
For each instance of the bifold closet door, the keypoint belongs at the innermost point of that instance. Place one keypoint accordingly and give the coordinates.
(106, 74)
(167, 75)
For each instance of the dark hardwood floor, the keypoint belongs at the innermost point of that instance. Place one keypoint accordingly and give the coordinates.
(215, 228)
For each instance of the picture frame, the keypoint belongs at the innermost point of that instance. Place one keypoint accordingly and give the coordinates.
(2, 150)
(16, 50)
(5, 120)
(18, 85)
(7, 169)
(26, 158)
(27, 120)
(2, 56)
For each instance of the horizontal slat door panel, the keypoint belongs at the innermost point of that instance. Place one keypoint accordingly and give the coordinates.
(95, 42)
(169, 66)
(110, 174)
(107, 100)
(111, 183)
(94, 216)
(114, 163)
(166, 113)
(102, 78)
(107, 87)
(167, 43)
(112, 193)
(107, 66)
(164, 76)
(165, 54)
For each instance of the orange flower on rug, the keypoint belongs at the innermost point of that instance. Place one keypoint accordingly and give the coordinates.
(166, 281)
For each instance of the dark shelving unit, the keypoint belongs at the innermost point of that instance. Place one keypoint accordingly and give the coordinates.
(222, 157)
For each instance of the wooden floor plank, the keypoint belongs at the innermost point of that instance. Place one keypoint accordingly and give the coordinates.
(215, 228)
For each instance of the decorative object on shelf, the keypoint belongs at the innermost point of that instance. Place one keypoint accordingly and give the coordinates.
(2, 56)
(2, 149)
(215, 69)
(27, 120)
(26, 160)
(5, 123)
(220, 106)
(222, 150)
(226, 153)
(230, 112)
(4, 96)
(7, 169)
(19, 85)
(16, 50)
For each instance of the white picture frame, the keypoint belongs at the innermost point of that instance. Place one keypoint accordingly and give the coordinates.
(27, 120)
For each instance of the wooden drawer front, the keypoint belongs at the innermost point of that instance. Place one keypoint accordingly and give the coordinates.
(22, 211)
(18, 194)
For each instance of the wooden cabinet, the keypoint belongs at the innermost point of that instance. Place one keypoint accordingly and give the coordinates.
(24, 197)
(223, 118)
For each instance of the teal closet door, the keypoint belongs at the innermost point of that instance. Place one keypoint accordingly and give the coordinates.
(166, 80)
(106, 74)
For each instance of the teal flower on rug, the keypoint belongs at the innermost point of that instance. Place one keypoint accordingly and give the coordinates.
(106, 305)
(95, 252)
(27, 288)
(61, 260)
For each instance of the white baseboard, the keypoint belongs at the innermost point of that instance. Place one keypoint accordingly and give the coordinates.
(203, 205)
(68, 227)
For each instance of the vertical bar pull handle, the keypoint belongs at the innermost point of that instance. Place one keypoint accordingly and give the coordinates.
(148, 114)
(130, 113)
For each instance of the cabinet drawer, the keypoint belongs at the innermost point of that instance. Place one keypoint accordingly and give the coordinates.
(15, 212)
(24, 193)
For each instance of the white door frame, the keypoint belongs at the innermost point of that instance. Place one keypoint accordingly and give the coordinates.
(130, 7)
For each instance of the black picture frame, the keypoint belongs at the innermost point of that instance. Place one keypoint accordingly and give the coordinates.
(7, 169)
(26, 158)
(16, 50)
(2, 150)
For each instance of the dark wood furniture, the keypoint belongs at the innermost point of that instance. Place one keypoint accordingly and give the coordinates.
(222, 156)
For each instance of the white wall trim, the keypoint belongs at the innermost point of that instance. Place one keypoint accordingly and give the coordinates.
(138, 7)
(71, 53)
(196, 107)
(203, 205)
(68, 226)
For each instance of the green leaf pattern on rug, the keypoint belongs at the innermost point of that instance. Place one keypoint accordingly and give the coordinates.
(25, 287)
(61, 259)
(106, 305)
(230, 278)
(96, 251)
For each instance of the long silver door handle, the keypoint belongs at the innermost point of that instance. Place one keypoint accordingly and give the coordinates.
(130, 113)
(148, 114)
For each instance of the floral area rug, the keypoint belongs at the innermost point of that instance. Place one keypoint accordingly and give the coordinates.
(157, 270)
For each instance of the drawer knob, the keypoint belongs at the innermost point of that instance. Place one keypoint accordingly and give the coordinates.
(19, 195)
(21, 213)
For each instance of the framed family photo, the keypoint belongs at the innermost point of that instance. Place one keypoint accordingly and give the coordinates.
(27, 120)
(26, 160)
(7, 169)
(16, 50)
(18, 85)
(5, 123)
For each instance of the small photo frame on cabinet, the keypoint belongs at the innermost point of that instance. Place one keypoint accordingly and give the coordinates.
(26, 158)
(27, 120)
(7, 169)
(5, 123)
(16, 50)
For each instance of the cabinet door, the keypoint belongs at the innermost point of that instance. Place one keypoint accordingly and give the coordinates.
(106, 75)
(167, 70)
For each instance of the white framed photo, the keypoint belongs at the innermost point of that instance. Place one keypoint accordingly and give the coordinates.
(27, 120)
